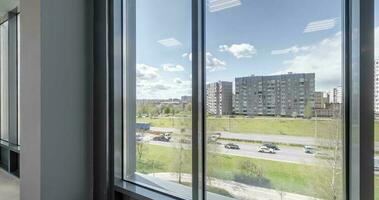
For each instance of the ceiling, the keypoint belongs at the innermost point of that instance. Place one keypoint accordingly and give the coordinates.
(7, 5)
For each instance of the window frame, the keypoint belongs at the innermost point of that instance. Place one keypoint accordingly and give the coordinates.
(12, 18)
(358, 135)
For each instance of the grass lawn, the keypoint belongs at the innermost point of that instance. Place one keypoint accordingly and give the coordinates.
(269, 125)
(296, 178)
(281, 126)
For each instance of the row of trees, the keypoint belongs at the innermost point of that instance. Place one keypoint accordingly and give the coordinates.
(150, 109)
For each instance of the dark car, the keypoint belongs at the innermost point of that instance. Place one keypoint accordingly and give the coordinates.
(271, 146)
(231, 146)
(161, 138)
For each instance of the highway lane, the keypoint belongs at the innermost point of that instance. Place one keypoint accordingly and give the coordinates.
(261, 137)
(285, 154)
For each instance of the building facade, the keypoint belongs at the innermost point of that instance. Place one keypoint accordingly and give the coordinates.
(278, 95)
(320, 100)
(220, 98)
(336, 95)
(376, 99)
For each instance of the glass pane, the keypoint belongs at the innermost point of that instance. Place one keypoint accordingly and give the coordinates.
(376, 100)
(4, 107)
(274, 99)
(161, 136)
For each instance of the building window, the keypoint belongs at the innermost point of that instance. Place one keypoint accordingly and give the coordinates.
(197, 123)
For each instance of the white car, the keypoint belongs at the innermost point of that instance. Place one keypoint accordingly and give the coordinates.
(265, 149)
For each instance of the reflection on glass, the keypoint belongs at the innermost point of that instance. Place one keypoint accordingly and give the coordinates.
(274, 100)
(163, 103)
(4, 106)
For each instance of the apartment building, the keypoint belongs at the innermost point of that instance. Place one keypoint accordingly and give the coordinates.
(286, 95)
(320, 100)
(376, 99)
(220, 98)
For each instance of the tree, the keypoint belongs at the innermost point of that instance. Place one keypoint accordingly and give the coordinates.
(308, 110)
(213, 162)
(329, 180)
(249, 168)
(188, 107)
(182, 156)
(166, 110)
(141, 147)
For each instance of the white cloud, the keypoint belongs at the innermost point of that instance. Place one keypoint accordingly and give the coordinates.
(213, 63)
(377, 42)
(294, 49)
(320, 25)
(169, 42)
(146, 72)
(172, 68)
(323, 59)
(242, 50)
(151, 85)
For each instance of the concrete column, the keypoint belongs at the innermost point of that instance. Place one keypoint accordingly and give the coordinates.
(55, 99)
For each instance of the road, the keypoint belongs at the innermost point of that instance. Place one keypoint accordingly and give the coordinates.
(285, 154)
(261, 137)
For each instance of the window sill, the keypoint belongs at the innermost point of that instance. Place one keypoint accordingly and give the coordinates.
(139, 192)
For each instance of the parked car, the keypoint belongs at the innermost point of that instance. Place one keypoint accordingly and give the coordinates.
(231, 146)
(309, 149)
(271, 145)
(139, 137)
(376, 163)
(161, 138)
(265, 149)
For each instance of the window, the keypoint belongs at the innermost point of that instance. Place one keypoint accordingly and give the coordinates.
(376, 100)
(9, 71)
(4, 81)
(288, 149)
(233, 99)
(9, 59)
(158, 102)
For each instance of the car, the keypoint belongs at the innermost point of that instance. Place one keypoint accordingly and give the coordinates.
(265, 149)
(271, 145)
(376, 163)
(309, 149)
(161, 138)
(231, 146)
(139, 137)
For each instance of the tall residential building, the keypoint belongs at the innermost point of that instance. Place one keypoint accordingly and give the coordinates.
(320, 100)
(220, 98)
(376, 99)
(286, 95)
(336, 95)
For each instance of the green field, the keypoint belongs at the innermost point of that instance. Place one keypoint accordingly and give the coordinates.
(296, 178)
(281, 126)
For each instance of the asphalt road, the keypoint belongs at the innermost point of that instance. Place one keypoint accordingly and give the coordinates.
(285, 154)
(259, 137)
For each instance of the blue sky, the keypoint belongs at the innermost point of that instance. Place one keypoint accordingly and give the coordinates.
(260, 37)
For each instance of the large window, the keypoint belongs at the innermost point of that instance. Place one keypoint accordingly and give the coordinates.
(243, 99)
(4, 116)
(9, 71)
(376, 101)
(274, 96)
(158, 106)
